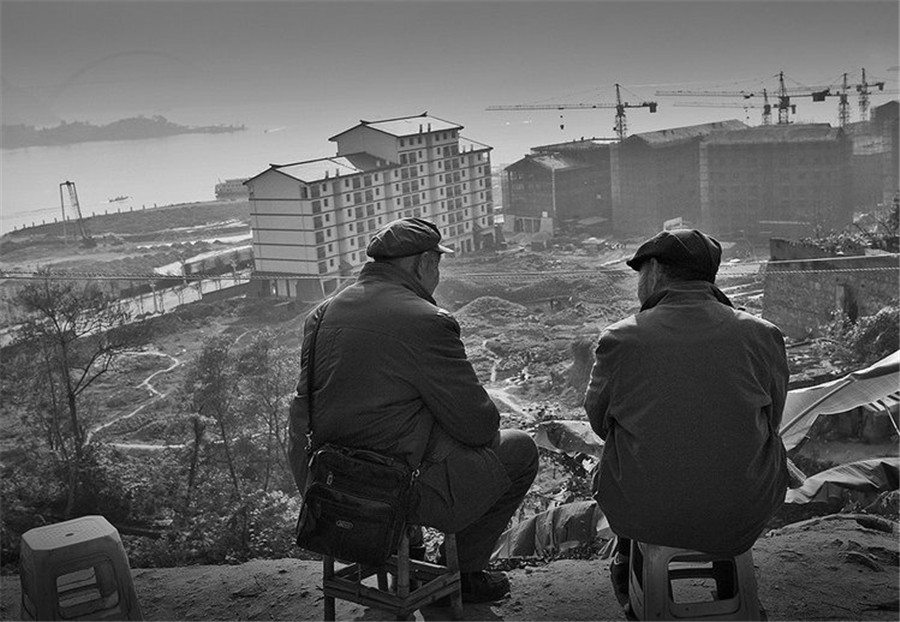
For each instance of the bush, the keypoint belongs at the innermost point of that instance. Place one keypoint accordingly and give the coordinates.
(864, 342)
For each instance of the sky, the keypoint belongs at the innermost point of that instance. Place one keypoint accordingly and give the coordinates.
(338, 61)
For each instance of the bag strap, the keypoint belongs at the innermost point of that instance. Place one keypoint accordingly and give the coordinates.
(310, 364)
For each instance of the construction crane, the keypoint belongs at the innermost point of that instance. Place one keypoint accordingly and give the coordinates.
(68, 187)
(746, 105)
(785, 107)
(621, 126)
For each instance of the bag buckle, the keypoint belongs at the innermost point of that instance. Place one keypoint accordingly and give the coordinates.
(413, 477)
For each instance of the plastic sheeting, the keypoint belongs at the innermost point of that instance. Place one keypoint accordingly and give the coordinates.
(554, 531)
(804, 406)
(872, 476)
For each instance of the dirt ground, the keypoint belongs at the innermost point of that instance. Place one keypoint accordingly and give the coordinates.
(828, 568)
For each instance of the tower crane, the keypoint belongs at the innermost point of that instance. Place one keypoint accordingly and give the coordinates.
(69, 186)
(766, 106)
(784, 105)
(621, 127)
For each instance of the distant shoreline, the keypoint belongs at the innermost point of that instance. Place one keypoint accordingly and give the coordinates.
(135, 128)
(134, 222)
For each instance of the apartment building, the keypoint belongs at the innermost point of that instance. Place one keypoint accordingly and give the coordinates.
(311, 221)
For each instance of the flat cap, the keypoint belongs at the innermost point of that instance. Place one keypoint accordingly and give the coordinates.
(404, 237)
(687, 248)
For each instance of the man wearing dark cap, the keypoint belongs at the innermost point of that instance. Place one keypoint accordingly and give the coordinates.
(391, 375)
(688, 396)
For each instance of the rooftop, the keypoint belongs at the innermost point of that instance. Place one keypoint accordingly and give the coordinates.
(680, 134)
(813, 132)
(337, 166)
(406, 126)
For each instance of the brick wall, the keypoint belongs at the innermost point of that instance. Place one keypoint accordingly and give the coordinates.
(803, 293)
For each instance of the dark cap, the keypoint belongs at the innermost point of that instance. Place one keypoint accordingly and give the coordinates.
(405, 236)
(686, 248)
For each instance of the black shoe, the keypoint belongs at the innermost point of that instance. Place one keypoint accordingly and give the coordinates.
(479, 587)
(618, 576)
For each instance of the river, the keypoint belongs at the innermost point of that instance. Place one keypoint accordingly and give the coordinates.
(186, 168)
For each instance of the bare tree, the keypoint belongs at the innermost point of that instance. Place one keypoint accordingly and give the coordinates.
(73, 335)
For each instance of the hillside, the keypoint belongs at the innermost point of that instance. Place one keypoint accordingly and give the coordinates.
(528, 320)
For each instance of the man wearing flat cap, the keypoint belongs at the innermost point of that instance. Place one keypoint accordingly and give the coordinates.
(688, 396)
(391, 375)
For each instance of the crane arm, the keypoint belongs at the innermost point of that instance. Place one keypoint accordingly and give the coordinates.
(549, 106)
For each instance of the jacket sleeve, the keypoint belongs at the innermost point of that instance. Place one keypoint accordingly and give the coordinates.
(780, 377)
(449, 385)
(597, 398)
(298, 416)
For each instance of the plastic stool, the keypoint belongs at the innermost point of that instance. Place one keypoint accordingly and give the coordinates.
(650, 584)
(435, 581)
(76, 570)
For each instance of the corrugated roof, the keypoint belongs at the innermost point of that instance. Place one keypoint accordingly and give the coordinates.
(680, 134)
(406, 126)
(813, 132)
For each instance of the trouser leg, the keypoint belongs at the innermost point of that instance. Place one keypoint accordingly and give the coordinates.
(519, 456)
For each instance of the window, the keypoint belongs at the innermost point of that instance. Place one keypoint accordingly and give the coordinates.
(323, 267)
(359, 212)
(357, 182)
(317, 222)
(314, 192)
(304, 192)
(320, 252)
(316, 207)
(357, 197)
(370, 196)
(370, 210)
(367, 180)
(320, 237)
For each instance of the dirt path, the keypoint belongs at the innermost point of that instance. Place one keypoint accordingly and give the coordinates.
(154, 395)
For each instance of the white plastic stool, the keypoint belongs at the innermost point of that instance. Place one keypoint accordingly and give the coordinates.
(650, 584)
(76, 570)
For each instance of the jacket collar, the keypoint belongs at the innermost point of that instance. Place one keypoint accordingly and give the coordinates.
(686, 290)
(382, 271)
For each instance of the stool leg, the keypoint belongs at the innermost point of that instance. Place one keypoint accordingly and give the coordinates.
(328, 572)
(456, 607)
(403, 576)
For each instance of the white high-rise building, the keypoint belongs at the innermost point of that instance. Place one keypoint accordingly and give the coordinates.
(312, 220)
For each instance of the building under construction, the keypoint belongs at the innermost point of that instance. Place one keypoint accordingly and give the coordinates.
(725, 177)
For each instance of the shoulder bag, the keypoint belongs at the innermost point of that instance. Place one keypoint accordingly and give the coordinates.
(356, 500)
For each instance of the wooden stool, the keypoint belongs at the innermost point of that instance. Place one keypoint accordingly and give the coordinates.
(76, 570)
(435, 582)
(650, 584)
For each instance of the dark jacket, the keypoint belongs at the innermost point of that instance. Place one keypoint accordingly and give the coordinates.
(391, 375)
(688, 395)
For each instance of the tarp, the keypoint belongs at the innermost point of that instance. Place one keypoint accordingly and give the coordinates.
(569, 436)
(554, 531)
(804, 406)
(872, 476)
